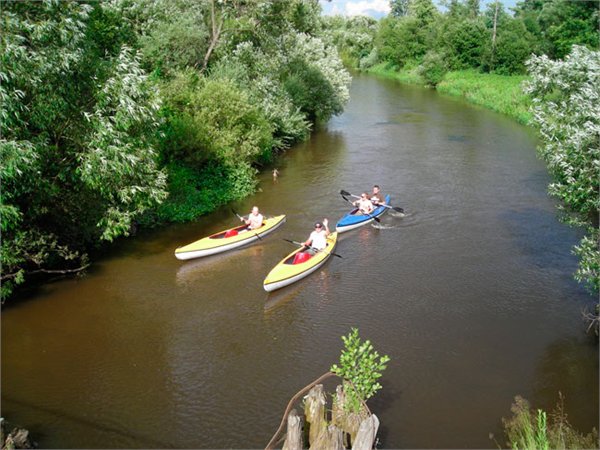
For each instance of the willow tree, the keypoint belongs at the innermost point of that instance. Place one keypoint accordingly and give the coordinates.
(566, 106)
(77, 156)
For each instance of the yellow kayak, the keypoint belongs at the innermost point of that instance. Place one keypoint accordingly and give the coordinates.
(228, 239)
(298, 265)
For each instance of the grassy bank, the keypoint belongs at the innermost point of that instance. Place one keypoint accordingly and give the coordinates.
(500, 93)
(406, 75)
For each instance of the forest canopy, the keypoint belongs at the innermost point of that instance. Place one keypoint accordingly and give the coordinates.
(124, 112)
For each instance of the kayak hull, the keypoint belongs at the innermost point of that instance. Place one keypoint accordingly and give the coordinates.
(353, 219)
(286, 273)
(222, 242)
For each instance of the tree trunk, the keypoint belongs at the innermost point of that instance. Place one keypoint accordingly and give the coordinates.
(492, 62)
(331, 438)
(314, 410)
(365, 438)
(293, 439)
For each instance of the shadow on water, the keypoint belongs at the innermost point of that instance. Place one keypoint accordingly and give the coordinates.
(578, 383)
(535, 234)
(87, 423)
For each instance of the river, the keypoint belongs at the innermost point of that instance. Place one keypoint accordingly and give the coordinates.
(471, 295)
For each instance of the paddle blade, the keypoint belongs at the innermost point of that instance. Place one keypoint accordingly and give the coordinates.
(343, 192)
(397, 208)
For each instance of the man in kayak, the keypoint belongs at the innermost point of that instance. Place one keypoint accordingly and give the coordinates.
(377, 197)
(254, 220)
(318, 238)
(364, 205)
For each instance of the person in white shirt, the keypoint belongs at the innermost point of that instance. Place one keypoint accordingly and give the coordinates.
(254, 220)
(364, 204)
(377, 197)
(318, 238)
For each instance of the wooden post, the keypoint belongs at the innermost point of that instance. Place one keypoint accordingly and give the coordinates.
(314, 410)
(367, 432)
(349, 422)
(293, 438)
(332, 438)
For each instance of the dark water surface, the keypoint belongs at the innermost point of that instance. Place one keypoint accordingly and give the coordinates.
(470, 294)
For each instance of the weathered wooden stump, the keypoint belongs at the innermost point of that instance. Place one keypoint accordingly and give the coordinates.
(314, 410)
(293, 439)
(367, 433)
(358, 428)
(331, 438)
(349, 422)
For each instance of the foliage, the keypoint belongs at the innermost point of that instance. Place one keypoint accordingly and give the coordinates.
(493, 40)
(464, 41)
(531, 430)
(399, 8)
(259, 75)
(175, 45)
(77, 150)
(194, 192)
(319, 67)
(405, 75)
(499, 93)
(360, 366)
(370, 60)
(400, 40)
(565, 23)
(566, 107)
(514, 46)
(433, 68)
(353, 37)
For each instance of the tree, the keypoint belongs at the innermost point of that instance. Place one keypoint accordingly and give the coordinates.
(423, 10)
(566, 106)
(78, 161)
(402, 40)
(399, 8)
(465, 42)
(433, 68)
(561, 23)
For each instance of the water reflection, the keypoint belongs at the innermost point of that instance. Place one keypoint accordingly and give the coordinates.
(569, 366)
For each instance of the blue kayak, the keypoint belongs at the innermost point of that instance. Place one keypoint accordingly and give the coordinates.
(355, 218)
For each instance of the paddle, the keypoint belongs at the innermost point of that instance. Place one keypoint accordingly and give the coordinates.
(376, 219)
(301, 244)
(395, 208)
(242, 219)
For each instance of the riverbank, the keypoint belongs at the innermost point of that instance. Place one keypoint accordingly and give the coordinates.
(500, 93)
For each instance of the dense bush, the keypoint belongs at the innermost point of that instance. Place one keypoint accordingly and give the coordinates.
(78, 154)
(433, 68)
(565, 104)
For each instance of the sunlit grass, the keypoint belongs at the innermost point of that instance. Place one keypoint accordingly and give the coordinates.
(409, 75)
(500, 93)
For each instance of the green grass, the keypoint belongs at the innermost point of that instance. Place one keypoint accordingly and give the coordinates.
(500, 93)
(408, 75)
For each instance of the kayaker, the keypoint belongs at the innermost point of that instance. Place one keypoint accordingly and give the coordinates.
(377, 197)
(318, 238)
(364, 204)
(254, 220)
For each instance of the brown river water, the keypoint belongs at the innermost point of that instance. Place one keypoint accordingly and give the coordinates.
(471, 295)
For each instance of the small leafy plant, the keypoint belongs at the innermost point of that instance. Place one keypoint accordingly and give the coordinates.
(360, 366)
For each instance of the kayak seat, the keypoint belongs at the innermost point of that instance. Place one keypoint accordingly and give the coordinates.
(230, 233)
(301, 257)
